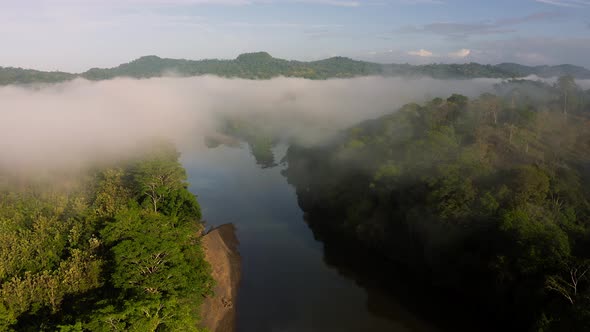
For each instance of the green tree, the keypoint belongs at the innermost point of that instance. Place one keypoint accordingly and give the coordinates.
(111, 195)
(491, 104)
(568, 88)
(158, 177)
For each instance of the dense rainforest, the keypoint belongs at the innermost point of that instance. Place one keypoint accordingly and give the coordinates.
(110, 248)
(487, 199)
(262, 65)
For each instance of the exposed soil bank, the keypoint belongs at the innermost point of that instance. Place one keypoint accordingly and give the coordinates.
(221, 251)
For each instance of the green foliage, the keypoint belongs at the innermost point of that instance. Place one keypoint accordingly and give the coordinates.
(258, 65)
(540, 243)
(157, 179)
(10, 75)
(103, 256)
(487, 195)
(530, 185)
(111, 195)
(262, 65)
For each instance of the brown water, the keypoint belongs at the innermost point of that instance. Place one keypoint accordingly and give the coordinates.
(290, 280)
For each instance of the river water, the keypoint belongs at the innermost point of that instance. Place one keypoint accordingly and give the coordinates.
(289, 280)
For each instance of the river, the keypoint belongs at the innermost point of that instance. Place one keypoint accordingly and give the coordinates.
(290, 282)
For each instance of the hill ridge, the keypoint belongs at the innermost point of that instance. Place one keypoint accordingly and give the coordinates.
(262, 65)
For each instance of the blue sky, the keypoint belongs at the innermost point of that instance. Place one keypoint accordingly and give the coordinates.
(75, 35)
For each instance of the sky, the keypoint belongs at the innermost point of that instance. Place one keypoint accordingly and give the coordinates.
(75, 35)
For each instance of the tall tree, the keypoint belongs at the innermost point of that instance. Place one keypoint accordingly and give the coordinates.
(158, 177)
(567, 86)
(491, 104)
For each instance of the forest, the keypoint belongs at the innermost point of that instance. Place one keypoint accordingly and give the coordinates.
(261, 65)
(112, 247)
(486, 199)
(483, 201)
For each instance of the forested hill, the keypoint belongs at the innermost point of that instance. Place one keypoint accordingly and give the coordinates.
(262, 65)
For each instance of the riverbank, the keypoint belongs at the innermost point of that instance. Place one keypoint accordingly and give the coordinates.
(218, 312)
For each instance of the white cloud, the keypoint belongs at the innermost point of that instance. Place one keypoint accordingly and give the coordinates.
(421, 53)
(123, 3)
(334, 2)
(566, 3)
(462, 53)
(173, 3)
(81, 121)
(536, 51)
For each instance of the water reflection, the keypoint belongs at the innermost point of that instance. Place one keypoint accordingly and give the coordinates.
(290, 281)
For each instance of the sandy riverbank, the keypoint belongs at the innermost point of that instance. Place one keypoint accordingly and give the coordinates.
(221, 251)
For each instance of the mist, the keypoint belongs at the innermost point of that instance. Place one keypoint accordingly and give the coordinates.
(584, 84)
(83, 121)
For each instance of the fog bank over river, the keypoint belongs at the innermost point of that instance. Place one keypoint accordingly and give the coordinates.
(82, 121)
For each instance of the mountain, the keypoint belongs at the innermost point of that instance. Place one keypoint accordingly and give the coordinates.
(262, 65)
(9, 75)
(545, 71)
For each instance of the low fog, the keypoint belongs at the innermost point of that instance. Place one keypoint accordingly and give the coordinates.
(83, 121)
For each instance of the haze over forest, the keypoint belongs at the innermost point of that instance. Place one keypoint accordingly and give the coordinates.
(424, 166)
(374, 135)
(261, 65)
(112, 116)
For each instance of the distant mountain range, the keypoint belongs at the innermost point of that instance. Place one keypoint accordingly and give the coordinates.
(262, 65)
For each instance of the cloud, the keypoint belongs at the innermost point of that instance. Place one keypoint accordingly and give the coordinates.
(115, 4)
(421, 53)
(526, 51)
(421, 2)
(535, 17)
(81, 121)
(566, 3)
(175, 3)
(326, 32)
(459, 30)
(462, 53)
(536, 51)
(339, 3)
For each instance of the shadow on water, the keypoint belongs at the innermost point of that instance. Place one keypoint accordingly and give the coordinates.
(294, 278)
(396, 293)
